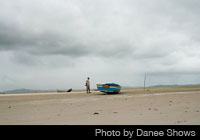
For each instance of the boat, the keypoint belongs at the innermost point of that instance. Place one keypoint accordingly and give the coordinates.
(109, 88)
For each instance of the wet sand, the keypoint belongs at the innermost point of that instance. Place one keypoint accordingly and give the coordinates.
(79, 108)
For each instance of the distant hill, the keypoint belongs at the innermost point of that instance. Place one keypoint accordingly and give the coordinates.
(163, 86)
(25, 91)
(174, 85)
(154, 86)
(127, 87)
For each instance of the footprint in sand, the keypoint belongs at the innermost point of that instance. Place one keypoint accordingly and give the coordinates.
(155, 109)
(95, 113)
(181, 121)
(186, 108)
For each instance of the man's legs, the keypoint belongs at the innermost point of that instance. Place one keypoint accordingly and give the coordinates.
(88, 89)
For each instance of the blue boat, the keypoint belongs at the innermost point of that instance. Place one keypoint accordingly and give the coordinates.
(109, 88)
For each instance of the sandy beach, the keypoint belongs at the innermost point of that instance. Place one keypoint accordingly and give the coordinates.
(130, 107)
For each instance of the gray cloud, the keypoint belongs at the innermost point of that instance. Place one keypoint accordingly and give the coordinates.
(158, 37)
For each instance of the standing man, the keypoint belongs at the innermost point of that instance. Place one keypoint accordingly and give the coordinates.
(88, 85)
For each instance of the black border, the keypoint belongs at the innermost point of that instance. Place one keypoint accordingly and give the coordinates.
(88, 131)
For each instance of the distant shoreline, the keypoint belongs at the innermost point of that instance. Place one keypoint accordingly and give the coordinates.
(150, 89)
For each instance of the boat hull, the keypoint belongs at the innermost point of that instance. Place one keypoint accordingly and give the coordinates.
(109, 88)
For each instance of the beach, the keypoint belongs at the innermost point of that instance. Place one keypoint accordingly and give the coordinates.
(129, 107)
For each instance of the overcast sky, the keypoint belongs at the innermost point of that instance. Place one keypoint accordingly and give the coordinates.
(57, 44)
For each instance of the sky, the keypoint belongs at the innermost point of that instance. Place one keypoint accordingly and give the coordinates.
(57, 44)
